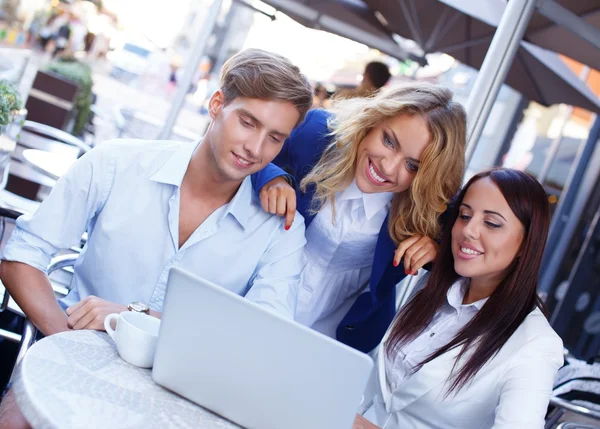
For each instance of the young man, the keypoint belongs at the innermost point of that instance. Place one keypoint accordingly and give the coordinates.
(150, 205)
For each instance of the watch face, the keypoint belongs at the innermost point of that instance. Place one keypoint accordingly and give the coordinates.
(138, 306)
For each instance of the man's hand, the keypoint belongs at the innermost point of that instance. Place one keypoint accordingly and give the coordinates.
(91, 312)
(361, 423)
(278, 197)
(417, 251)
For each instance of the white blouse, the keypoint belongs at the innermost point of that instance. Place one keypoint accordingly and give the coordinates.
(446, 324)
(338, 257)
(511, 391)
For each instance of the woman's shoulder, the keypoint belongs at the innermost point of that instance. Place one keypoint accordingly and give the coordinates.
(319, 115)
(315, 121)
(308, 141)
(535, 335)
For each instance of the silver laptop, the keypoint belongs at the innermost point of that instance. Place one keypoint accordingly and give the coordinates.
(251, 365)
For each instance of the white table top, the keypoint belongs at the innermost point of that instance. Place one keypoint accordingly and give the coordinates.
(77, 380)
(52, 164)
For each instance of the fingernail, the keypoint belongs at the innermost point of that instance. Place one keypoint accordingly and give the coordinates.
(395, 263)
(406, 272)
(287, 227)
(415, 273)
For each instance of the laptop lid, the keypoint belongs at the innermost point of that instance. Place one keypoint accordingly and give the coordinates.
(251, 365)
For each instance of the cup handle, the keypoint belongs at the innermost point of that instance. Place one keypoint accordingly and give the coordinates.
(109, 330)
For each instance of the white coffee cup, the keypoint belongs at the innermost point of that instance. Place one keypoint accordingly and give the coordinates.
(135, 336)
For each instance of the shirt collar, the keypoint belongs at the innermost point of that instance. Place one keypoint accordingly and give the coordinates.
(176, 165)
(239, 206)
(456, 294)
(174, 169)
(373, 203)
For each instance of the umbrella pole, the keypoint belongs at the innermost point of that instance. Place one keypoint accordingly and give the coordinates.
(495, 66)
(191, 66)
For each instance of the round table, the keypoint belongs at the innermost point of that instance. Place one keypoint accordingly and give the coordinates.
(53, 165)
(77, 380)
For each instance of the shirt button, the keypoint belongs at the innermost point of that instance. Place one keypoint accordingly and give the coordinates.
(432, 334)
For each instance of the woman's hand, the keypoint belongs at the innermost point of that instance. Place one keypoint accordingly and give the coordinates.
(278, 197)
(417, 251)
(361, 423)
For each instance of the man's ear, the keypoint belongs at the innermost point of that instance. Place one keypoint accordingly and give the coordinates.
(216, 104)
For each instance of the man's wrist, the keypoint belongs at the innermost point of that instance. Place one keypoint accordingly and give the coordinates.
(156, 314)
(55, 328)
(138, 307)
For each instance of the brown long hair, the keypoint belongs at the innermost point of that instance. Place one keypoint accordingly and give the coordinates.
(514, 298)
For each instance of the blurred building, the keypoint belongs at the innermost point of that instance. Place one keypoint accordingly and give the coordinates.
(228, 37)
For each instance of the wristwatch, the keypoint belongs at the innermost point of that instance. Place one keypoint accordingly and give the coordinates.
(138, 307)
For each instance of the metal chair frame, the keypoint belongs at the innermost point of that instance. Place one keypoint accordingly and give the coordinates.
(56, 135)
(562, 405)
(28, 334)
(575, 425)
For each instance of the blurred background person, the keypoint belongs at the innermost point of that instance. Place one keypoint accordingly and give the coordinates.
(320, 97)
(375, 76)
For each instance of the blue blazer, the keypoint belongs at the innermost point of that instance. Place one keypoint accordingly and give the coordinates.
(367, 320)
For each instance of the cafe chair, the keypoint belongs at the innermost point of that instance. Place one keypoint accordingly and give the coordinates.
(561, 406)
(576, 390)
(26, 183)
(51, 100)
(575, 425)
(39, 136)
(7, 214)
(60, 270)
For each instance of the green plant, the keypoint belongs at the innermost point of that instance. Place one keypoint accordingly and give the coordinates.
(10, 100)
(81, 74)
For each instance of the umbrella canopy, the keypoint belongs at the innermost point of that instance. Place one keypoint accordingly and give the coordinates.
(453, 26)
(547, 34)
(464, 29)
(347, 18)
(541, 75)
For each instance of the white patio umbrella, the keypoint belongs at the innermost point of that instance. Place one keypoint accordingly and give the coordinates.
(347, 18)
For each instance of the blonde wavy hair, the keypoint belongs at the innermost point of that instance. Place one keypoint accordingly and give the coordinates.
(417, 210)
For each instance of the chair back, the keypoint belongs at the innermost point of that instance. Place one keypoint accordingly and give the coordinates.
(36, 133)
(51, 100)
(23, 179)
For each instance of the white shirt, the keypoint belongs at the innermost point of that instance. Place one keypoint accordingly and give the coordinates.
(511, 391)
(339, 256)
(126, 194)
(446, 324)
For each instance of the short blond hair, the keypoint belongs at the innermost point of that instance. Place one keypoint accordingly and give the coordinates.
(417, 210)
(254, 73)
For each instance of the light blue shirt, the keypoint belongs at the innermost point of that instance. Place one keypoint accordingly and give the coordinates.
(125, 194)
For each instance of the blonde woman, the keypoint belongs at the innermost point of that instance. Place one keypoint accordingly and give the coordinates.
(373, 176)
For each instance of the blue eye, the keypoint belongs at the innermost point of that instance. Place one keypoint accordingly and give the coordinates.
(387, 141)
(412, 167)
(464, 217)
